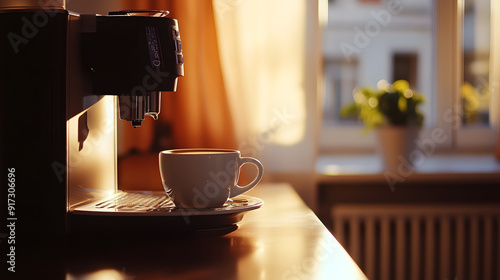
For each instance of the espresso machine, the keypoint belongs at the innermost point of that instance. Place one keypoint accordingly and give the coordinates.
(66, 79)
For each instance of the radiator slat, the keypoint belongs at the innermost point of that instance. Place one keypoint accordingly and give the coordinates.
(429, 248)
(474, 249)
(339, 228)
(460, 248)
(415, 249)
(354, 240)
(400, 248)
(488, 249)
(370, 241)
(385, 248)
(445, 247)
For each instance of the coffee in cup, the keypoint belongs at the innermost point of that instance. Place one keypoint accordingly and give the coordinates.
(204, 178)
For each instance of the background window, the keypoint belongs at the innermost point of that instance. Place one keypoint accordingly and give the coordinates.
(405, 67)
(476, 63)
(364, 42)
(445, 49)
(340, 79)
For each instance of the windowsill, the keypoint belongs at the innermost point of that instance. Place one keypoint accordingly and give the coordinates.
(444, 166)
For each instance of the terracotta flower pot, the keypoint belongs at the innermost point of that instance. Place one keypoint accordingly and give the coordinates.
(396, 144)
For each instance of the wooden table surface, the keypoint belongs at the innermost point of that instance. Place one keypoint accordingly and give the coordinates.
(282, 240)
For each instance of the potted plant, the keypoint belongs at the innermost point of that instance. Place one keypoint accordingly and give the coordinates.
(392, 110)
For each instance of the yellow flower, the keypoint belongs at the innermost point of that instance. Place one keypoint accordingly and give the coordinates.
(400, 85)
(402, 104)
(383, 85)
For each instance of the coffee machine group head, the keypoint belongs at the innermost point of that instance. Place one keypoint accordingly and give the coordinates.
(134, 55)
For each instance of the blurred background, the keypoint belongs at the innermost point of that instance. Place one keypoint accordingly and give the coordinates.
(270, 77)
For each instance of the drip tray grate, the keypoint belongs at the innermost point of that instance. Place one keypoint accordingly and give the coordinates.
(129, 201)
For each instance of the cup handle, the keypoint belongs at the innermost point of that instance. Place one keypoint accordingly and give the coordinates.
(237, 190)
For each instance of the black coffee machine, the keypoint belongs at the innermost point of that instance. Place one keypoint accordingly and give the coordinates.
(65, 79)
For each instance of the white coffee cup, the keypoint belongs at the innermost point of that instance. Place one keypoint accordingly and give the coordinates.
(204, 178)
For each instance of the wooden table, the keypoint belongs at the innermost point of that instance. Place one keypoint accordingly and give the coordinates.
(282, 240)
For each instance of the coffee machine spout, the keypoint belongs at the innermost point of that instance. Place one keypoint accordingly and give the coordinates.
(153, 102)
(134, 108)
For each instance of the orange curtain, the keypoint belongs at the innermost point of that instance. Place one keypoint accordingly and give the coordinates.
(198, 112)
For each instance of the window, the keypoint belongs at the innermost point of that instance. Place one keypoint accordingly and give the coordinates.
(341, 78)
(404, 67)
(475, 93)
(443, 48)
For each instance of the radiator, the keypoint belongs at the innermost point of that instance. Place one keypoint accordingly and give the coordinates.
(442, 242)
